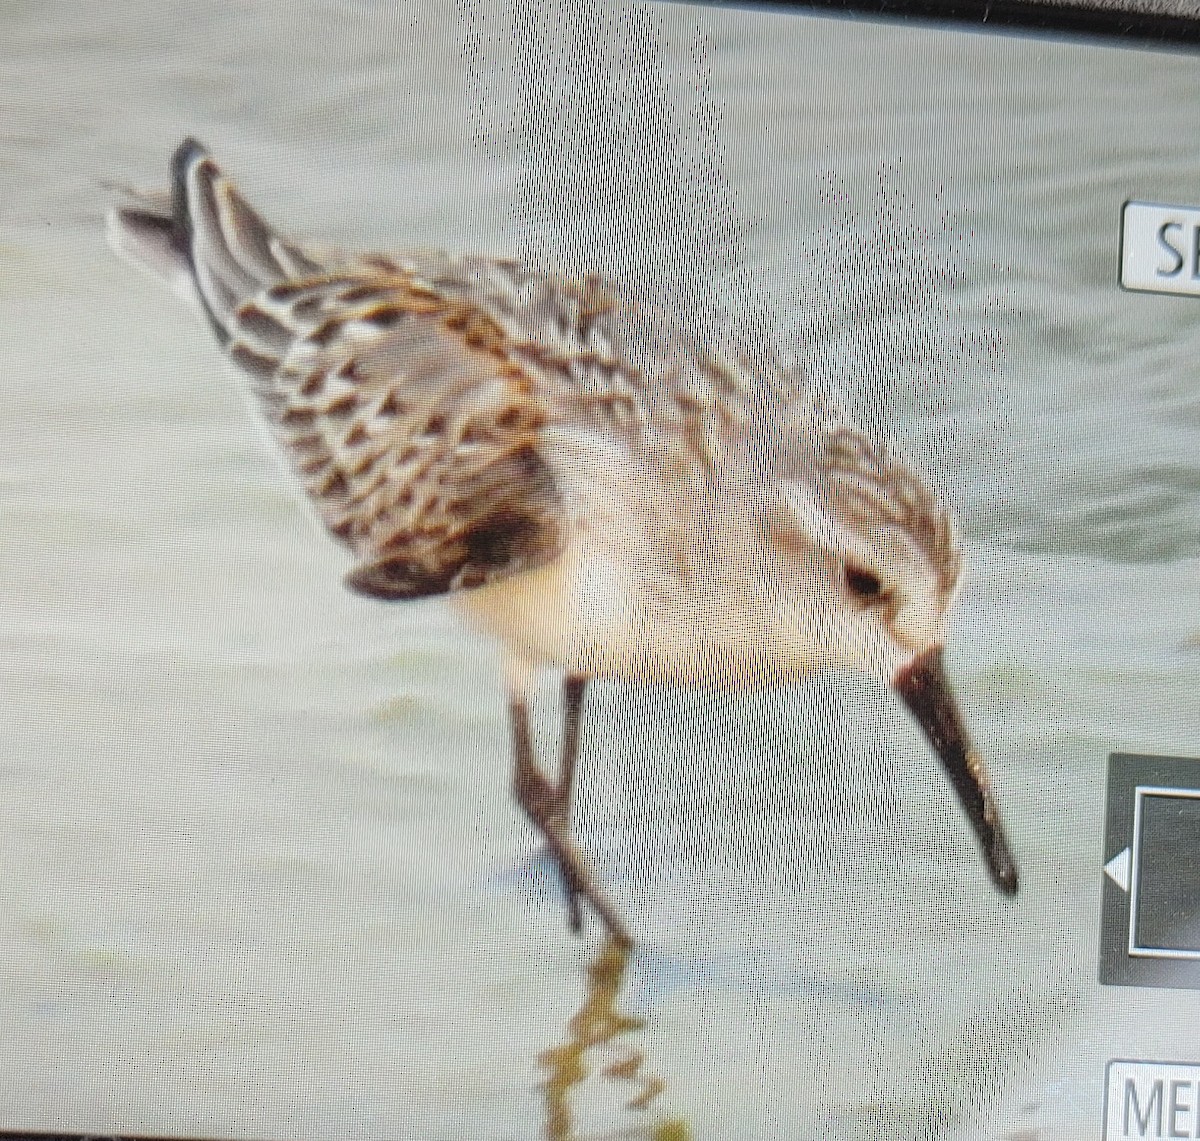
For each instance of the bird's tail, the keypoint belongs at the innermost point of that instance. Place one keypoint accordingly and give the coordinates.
(204, 240)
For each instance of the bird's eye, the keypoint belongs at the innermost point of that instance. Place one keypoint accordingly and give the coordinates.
(865, 585)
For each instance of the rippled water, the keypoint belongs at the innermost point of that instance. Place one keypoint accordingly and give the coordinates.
(263, 877)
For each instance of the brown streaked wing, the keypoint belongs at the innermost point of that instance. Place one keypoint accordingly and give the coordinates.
(413, 432)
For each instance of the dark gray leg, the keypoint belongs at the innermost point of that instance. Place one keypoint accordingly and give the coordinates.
(573, 689)
(544, 805)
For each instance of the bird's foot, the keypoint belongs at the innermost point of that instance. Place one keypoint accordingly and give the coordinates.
(546, 808)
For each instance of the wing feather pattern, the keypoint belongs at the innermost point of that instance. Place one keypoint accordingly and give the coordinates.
(399, 407)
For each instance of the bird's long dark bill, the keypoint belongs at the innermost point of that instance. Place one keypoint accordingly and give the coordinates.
(923, 686)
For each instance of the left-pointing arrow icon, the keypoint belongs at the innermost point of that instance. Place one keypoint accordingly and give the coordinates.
(1117, 869)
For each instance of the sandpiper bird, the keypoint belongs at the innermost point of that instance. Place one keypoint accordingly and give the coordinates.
(599, 498)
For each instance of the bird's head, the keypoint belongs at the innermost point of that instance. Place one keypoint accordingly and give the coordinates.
(881, 564)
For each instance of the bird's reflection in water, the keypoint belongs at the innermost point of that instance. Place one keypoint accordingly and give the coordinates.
(599, 1044)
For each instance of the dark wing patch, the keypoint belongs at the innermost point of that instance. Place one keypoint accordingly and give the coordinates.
(502, 542)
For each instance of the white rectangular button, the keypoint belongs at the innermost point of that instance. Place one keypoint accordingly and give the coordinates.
(1160, 248)
(1151, 1101)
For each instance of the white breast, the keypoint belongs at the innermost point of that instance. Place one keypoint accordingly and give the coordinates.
(593, 613)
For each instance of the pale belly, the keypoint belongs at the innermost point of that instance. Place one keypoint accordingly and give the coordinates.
(588, 615)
